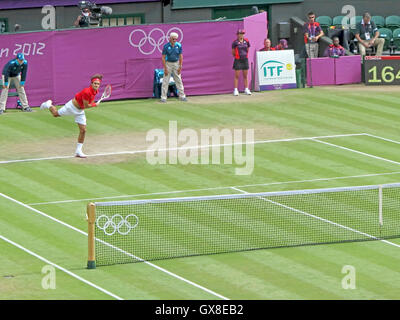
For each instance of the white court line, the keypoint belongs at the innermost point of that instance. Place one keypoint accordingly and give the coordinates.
(356, 151)
(144, 261)
(181, 148)
(381, 138)
(215, 188)
(324, 220)
(60, 268)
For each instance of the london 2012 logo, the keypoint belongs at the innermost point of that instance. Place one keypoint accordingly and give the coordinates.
(148, 42)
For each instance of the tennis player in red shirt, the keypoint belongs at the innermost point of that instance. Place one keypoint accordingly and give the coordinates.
(76, 107)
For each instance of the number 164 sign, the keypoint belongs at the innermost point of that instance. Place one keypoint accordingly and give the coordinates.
(383, 70)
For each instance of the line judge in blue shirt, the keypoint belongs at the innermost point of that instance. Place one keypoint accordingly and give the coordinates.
(15, 71)
(172, 62)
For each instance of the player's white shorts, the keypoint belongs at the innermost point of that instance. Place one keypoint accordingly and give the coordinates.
(70, 110)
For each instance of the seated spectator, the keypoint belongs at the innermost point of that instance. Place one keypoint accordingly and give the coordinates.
(335, 49)
(367, 35)
(267, 46)
(312, 32)
(282, 45)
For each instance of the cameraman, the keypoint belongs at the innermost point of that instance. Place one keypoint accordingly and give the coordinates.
(83, 19)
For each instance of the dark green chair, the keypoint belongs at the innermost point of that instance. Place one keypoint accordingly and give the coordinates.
(354, 22)
(325, 22)
(357, 20)
(392, 22)
(386, 34)
(379, 21)
(396, 41)
(339, 20)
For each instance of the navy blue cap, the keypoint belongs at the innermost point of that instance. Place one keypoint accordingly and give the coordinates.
(20, 56)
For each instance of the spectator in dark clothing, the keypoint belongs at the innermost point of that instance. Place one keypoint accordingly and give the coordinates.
(335, 50)
(282, 45)
(367, 35)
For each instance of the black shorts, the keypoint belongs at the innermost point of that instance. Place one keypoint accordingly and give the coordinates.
(241, 64)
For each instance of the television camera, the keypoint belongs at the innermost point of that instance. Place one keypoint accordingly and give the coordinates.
(95, 13)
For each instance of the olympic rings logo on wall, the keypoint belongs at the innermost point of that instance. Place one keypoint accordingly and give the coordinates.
(148, 43)
(117, 223)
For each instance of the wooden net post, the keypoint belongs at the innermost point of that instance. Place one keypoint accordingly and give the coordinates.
(91, 219)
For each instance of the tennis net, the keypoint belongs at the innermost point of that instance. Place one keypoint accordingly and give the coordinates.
(144, 230)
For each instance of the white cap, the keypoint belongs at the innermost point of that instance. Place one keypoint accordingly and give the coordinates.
(173, 34)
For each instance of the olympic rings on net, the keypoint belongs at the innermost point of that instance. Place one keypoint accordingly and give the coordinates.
(117, 223)
(157, 43)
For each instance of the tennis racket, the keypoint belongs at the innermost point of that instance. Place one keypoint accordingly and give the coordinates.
(106, 94)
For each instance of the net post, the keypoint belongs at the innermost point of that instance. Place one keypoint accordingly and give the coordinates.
(380, 206)
(91, 219)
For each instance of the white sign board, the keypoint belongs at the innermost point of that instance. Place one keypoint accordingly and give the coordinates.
(275, 70)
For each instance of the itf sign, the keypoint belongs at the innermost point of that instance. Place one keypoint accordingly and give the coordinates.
(275, 70)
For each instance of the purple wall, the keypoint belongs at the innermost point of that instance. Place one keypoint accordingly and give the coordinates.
(256, 31)
(61, 62)
(348, 70)
(321, 71)
(331, 71)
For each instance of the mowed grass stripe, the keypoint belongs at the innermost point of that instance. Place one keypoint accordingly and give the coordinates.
(321, 278)
(22, 279)
(307, 281)
(133, 116)
(374, 263)
(318, 159)
(346, 111)
(18, 129)
(41, 180)
(352, 160)
(371, 145)
(222, 271)
(188, 116)
(25, 187)
(349, 105)
(43, 236)
(382, 107)
(306, 123)
(325, 119)
(248, 278)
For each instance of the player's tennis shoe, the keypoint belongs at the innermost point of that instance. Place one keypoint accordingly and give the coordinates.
(247, 91)
(236, 92)
(80, 155)
(46, 105)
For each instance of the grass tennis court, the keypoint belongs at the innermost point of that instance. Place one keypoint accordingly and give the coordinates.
(323, 137)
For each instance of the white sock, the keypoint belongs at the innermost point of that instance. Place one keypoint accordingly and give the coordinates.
(79, 147)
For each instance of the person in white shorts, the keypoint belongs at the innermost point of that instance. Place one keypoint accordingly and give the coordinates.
(76, 107)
